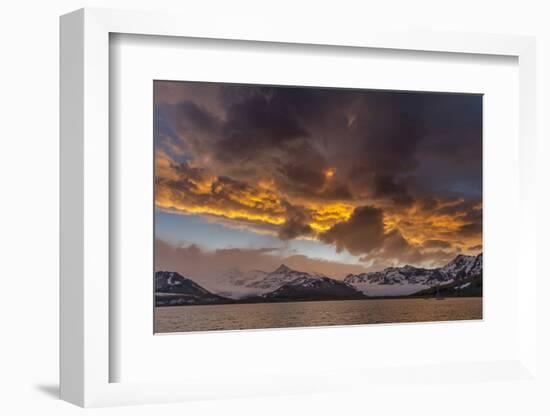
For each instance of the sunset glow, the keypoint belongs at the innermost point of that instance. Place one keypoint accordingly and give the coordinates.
(361, 179)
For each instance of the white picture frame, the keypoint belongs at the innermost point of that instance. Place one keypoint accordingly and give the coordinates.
(85, 210)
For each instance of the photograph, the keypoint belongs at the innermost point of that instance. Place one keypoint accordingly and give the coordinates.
(267, 208)
(292, 206)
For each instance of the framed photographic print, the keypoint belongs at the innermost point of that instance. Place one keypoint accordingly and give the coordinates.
(280, 206)
(274, 212)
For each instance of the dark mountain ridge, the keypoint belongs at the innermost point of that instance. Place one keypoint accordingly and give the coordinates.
(314, 288)
(462, 267)
(462, 276)
(172, 288)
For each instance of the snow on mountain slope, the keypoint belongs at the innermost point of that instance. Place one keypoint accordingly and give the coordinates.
(238, 278)
(462, 266)
(392, 281)
(172, 288)
(314, 288)
(236, 284)
(280, 276)
(398, 281)
(172, 282)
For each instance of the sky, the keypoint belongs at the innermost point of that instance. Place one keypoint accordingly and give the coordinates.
(332, 181)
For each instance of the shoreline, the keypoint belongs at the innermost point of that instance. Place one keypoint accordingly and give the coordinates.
(366, 298)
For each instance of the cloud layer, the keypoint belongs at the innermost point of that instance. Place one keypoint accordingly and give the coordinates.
(389, 177)
(205, 266)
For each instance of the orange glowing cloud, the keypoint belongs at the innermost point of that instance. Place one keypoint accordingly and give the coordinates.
(363, 171)
(261, 207)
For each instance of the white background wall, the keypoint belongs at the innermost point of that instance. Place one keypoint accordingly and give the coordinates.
(29, 191)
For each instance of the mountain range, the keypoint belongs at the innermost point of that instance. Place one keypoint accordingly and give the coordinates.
(303, 286)
(460, 277)
(407, 280)
(172, 288)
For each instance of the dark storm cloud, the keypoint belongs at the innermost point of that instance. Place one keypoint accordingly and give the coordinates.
(296, 223)
(305, 105)
(453, 128)
(390, 133)
(260, 133)
(378, 152)
(397, 247)
(386, 187)
(427, 203)
(468, 212)
(226, 187)
(276, 127)
(470, 229)
(184, 179)
(452, 145)
(370, 137)
(436, 244)
(191, 121)
(394, 242)
(466, 209)
(200, 117)
(262, 119)
(362, 233)
(279, 121)
(301, 170)
(473, 214)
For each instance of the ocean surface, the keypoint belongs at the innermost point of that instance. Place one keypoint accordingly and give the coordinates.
(304, 314)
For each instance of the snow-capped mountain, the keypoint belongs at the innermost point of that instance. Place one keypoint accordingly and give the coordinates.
(236, 284)
(462, 266)
(279, 277)
(460, 277)
(172, 288)
(238, 278)
(314, 288)
(285, 283)
(469, 286)
(399, 281)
